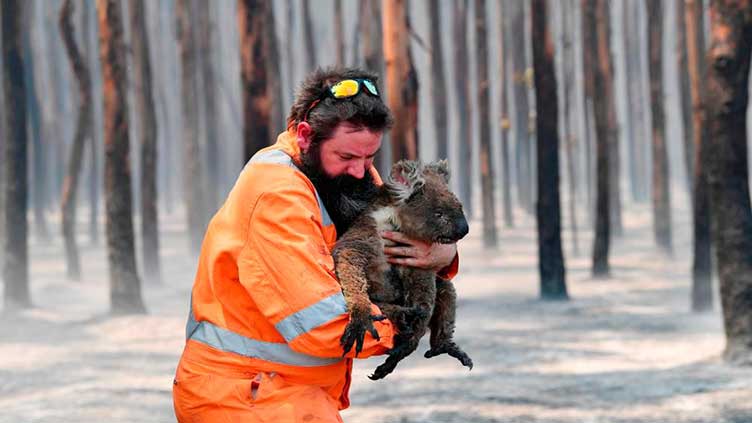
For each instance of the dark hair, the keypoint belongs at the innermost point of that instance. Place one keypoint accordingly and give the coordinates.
(362, 110)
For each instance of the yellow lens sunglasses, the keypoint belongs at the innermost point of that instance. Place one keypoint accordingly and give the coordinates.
(345, 89)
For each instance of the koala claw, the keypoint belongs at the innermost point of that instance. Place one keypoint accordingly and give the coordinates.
(452, 350)
(355, 333)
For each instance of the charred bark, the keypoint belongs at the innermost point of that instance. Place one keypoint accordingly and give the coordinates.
(15, 246)
(401, 80)
(193, 175)
(464, 105)
(125, 287)
(148, 135)
(253, 50)
(438, 80)
(728, 174)
(661, 193)
(603, 124)
(548, 209)
(521, 124)
(702, 281)
(504, 46)
(308, 36)
(83, 131)
(684, 94)
(484, 119)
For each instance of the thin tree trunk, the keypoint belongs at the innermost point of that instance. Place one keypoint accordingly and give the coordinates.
(484, 118)
(684, 94)
(401, 80)
(339, 38)
(504, 46)
(83, 131)
(373, 57)
(438, 80)
(464, 105)
(193, 174)
(587, 69)
(548, 208)
(148, 118)
(308, 36)
(614, 171)
(16, 264)
(41, 172)
(702, 281)
(599, 29)
(125, 288)
(206, 45)
(522, 107)
(277, 118)
(629, 25)
(570, 144)
(661, 193)
(94, 151)
(256, 100)
(728, 173)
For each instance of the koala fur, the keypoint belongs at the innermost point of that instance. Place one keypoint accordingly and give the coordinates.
(416, 201)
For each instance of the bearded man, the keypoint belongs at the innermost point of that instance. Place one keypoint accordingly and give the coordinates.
(267, 312)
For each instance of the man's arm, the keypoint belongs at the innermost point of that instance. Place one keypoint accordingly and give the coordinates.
(292, 274)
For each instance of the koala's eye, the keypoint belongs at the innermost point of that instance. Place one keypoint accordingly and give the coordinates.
(438, 215)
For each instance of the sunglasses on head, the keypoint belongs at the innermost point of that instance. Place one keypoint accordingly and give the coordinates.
(345, 89)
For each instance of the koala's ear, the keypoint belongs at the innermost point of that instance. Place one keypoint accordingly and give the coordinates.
(405, 178)
(441, 167)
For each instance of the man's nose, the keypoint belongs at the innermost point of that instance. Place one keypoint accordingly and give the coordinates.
(357, 170)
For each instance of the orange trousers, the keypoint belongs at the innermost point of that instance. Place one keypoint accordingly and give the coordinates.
(200, 396)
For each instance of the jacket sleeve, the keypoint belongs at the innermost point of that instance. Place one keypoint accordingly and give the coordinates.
(288, 270)
(451, 270)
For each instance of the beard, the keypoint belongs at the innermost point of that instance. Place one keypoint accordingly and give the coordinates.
(345, 197)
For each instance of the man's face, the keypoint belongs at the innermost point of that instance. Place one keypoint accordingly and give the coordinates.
(339, 169)
(350, 151)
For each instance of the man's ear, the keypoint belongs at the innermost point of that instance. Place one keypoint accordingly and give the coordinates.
(304, 135)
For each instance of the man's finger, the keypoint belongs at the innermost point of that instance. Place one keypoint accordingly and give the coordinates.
(403, 261)
(401, 251)
(397, 237)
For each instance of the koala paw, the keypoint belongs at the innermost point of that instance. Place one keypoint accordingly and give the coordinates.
(355, 333)
(453, 350)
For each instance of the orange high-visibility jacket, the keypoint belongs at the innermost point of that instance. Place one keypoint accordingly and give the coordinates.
(267, 311)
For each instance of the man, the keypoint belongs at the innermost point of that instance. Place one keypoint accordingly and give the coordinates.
(267, 312)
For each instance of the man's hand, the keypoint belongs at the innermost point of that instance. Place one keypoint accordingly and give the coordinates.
(413, 253)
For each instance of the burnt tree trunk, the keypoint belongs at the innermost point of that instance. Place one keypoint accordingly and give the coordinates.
(253, 72)
(632, 92)
(702, 280)
(661, 193)
(401, 80)
(339, 37)
(484, 119)
(16, 248)
(125, 288)
(464, 105)
(588, 32)
(438, 80)
(728, 173)
(206, 45)
(504, 46)
(193, 173)
(308, 35)
(521, 124)
(277, 117)
(148, 135)
(372, 48)
(614, 164)
(603, 118)
(684, 94)
(548, 209)
(570, 144)
(94, 151)
(83, 131)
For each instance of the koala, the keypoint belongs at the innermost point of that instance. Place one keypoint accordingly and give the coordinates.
(416, 201)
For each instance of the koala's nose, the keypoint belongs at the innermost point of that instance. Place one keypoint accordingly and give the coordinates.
(461, 227)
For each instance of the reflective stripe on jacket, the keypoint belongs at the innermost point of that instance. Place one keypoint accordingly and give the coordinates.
(265, 298)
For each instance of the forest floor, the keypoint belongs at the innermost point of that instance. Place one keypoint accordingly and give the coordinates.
(624, 349)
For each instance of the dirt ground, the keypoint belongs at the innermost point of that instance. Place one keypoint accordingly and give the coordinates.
(625, 349)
